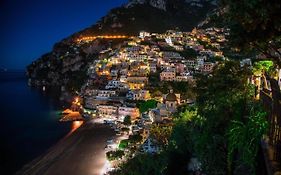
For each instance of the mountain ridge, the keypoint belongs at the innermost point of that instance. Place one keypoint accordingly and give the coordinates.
(139, 15)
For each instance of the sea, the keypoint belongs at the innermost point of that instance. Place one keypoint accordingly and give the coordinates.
(29, 121)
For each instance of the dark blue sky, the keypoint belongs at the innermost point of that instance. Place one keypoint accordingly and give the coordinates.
(29, 28)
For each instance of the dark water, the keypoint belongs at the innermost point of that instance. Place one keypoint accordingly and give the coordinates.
(29, 122)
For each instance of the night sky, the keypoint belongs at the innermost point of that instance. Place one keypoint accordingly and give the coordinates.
(29, 28)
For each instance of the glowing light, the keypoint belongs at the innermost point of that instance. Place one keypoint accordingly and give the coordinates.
(92, 38)
(76, 125)
(76, 100)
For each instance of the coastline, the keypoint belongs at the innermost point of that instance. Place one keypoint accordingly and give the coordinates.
(85, 146)
(30, 121)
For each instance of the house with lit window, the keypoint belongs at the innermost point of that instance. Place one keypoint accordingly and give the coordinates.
(190, 63)
(116, 84)
(170, 55)
(107, 111)
(138, 95)
(113, 84)
(168, 75)
(137, 82)
(130, 111)
(207, 67)
(105, 93)
(153, 67)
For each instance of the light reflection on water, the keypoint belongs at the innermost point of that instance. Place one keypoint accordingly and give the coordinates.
(74, 125)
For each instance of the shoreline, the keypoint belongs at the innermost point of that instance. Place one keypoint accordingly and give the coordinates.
(85, 146)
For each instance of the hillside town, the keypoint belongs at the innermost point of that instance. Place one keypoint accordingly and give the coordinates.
(138, 84)
(122, 92)
(154, 87)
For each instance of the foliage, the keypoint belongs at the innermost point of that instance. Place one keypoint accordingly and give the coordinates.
(262, 66)
(146, 43)
(123, 144)
(136, 138)
(143, 164)
(156, 93)
(125, 129)
(185, 89)
(255, 24)
(167, 49)
(180, 143)
(114, 155)
(215, 59)
(188, 53)
(225, 99)
(244, 137)
(222, 130)
(127, 120)
(76, 79)
(154, 78)
(161, 133)
(144, 106)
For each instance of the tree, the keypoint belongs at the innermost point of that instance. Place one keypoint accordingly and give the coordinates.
(244, 138)
(143, 164)
(225, 99)
(136, 138)
(144, 106)
(261, 69)
(114, 155)
(255, 24)
(123, 144)
(161, 133)
(125, 129)
(188, 53)
(127, 120)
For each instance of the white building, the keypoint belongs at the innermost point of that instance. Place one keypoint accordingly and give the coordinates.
(105, 93)
(144, 34)
(169, 41)
(113, 84)
(138, 95)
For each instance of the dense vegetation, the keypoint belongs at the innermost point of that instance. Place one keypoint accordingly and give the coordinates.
(255, 25)
(115, 155)
(222, 130)
(144, 106)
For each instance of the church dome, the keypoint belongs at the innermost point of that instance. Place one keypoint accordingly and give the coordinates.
(171, 97)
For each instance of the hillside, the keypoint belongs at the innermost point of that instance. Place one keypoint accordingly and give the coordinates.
(67, 63)
(152, 16)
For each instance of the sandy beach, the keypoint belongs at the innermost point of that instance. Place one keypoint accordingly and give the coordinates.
(81, 153)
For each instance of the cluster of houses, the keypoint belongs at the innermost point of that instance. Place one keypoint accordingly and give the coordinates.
(120, 77)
